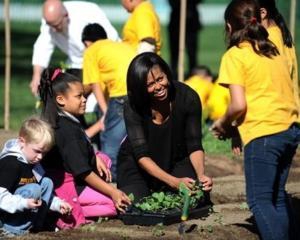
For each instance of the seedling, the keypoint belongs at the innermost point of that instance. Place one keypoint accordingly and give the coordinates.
(164, 202)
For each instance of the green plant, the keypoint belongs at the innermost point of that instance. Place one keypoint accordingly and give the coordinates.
(165, 201)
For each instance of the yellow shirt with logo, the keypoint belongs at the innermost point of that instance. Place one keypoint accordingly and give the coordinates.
(142, 23)
(201, 86)
(218, 101)
(290, 54)
(271, 106)
(106, 62)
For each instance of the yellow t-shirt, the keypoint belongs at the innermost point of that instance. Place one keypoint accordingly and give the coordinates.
(290, 54)
(201, 86)
(142, 23)
(218, 101)
(106, 62)
(271, 106)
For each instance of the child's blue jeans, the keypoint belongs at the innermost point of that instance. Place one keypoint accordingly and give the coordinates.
(267, 164)
(114, 132)
(19, 223)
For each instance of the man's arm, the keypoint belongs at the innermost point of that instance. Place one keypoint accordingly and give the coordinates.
(42, 51)
(35, 81)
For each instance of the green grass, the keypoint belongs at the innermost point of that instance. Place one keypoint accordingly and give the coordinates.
(21, 101)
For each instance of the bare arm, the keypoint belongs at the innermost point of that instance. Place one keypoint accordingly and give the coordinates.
(36, 77)
(100, 97)
(94, 129)
(119, 198)
(237, 106)
(100, 185)
(154, 170)
(234, 114)
(197, 160)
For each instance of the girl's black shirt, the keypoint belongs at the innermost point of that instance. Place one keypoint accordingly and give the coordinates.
(183, 130)
(72, 152)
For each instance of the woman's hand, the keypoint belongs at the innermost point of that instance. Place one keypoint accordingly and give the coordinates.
(102, 169)
(65, 208)
(33, 203)
(188, 182)
(120, 199)
(206, 182)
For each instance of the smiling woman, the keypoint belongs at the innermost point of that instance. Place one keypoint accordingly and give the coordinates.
(163, 121)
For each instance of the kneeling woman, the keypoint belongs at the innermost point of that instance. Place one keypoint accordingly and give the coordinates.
(163, 122)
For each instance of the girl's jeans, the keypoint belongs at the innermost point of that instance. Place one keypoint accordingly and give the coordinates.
(20, 222)
(267, 163)
(114, 132)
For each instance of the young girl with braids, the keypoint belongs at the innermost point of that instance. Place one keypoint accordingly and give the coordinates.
(264, 109)
(73, 155)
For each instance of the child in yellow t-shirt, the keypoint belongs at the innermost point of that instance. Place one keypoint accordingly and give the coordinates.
(201, 80)
(142, 29)
(218, 101)
(280, 35)
(264, 108)
(105, 63)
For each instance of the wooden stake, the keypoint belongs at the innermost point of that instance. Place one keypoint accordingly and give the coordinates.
(182, 30)
(7, 64)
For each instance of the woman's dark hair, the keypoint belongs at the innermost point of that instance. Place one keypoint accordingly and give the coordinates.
(93, 32)
(244, 19)
(273, 13)
(53, 82)
(137, 74)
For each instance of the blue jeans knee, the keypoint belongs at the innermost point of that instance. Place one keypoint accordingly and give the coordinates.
(267, 163)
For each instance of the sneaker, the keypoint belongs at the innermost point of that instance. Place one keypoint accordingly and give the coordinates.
(4, 234)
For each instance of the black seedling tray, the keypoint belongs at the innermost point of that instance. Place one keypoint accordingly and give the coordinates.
(174, 216)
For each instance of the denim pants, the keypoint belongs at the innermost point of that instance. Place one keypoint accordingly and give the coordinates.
(114, 132)
(267, 164)
(20, 222)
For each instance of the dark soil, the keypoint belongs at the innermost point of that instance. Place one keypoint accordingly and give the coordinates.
(230, 220)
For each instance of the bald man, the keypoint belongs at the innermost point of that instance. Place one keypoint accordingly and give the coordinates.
(61, 27)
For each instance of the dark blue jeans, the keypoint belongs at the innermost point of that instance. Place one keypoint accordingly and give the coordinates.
(267, 164)
(114, 132)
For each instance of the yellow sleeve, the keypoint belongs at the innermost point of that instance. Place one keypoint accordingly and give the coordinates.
(91, 73)
(231, 70)
(144, 25)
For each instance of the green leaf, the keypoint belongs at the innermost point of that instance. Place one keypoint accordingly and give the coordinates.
(131, 197)
(161, 196)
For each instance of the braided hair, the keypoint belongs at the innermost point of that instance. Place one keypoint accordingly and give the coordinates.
(53, 82)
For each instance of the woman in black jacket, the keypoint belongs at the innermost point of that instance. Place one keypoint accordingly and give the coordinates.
(163, 123)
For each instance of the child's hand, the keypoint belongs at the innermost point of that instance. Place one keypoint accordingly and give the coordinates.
(218, 130)
(102, 169)
(101, 122)
(121, 200)
(236, 145)
(33, 203)
(65, 208)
